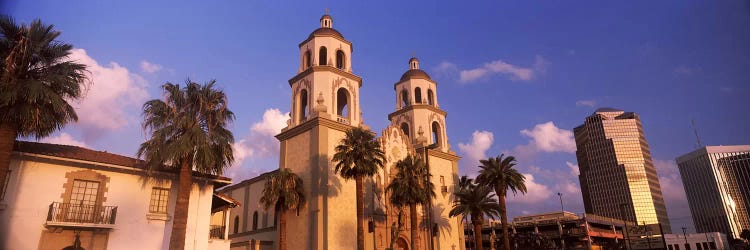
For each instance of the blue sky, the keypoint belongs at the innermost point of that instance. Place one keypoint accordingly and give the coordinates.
(513, 77)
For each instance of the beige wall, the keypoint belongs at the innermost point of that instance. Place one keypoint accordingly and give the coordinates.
(34, 185)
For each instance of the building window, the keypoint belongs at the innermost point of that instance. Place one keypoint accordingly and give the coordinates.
(430, 97)
(404, 98)
(159, 200)
(255, 220)
(436, 132)
(236, 224)
(417, 95)
(340, 59)
(342, 103)
(405, 129)
(306, 60)
(84, 193)
(303, 105)
(323, 56)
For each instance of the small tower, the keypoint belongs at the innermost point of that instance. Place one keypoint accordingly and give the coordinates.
(417, 111)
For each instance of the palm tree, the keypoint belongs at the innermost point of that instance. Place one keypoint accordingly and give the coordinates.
(285, 192)
(411, 187)
(476, 201)
(498, 173)
(465, 183)
(188, 132)
(357, 156)
(37, 81)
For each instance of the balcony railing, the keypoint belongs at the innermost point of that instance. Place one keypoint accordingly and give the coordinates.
(67, 214)
(343, 120)
(217, 232)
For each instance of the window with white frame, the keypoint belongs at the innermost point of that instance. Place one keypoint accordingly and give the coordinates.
(159, 199)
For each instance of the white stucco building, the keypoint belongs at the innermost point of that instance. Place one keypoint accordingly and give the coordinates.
(60, 195)
(325, 103)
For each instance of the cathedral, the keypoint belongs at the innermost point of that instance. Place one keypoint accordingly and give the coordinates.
(325, 104)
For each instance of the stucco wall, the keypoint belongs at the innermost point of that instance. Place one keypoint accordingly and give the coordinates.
(34, 185)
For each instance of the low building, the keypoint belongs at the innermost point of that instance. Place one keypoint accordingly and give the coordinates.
(697, 241)
(545, 230)
(59, 196)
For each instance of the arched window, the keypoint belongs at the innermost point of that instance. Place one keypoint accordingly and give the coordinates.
(255, 220)
(430, 97)
(236, 224)
(436, 133)
(306, 60)
(405, 129)
(417, 95)
(302, 105)
(405, 98)
(323, 56)
(340, 59)
(342, 103)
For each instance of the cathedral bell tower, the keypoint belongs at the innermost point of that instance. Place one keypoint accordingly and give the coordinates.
(417, 111)
(324, 104)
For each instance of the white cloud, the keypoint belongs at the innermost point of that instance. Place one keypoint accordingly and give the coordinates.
(64, 139)
(114, 90)
(536, 192)
(573, 168)
(260, 143)
(501, 67)
(586, 103)
(547, 137)
(272, 123)
(477, 148)
(149, 67)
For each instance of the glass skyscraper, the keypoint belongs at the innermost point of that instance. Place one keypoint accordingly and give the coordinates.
(617, 174)
(717, 184)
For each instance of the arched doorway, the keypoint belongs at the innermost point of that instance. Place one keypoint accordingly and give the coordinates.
(401, 244)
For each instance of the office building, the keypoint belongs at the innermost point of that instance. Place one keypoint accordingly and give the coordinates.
(617, 174)
(717, 184)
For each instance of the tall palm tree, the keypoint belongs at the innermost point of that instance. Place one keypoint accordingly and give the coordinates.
(357, 156)
(411, 187)
(477, 202)
(188, 132)
(498, 173)
(284, 191)
(36, 83)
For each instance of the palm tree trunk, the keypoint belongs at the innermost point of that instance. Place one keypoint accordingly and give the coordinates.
(179, 226)
(8, 134)
(504, 219)
(282, 230)
(477, 222)
(414, 226)
(360, 213)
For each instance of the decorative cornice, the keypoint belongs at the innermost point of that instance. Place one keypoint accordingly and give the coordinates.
(417, 106)
(440, 154)
(414, 77)
(310, 124)
(339, 37)
(327, 68)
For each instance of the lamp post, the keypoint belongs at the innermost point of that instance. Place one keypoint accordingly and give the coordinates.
(625, 223)
(562, 216)
(684, 234)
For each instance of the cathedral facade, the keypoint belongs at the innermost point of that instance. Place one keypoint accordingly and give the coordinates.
(325, 104)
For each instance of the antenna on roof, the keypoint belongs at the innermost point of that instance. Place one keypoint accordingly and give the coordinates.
(697, 138)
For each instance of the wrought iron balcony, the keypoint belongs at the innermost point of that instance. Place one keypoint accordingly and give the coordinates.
(81, 216)
(217, 232)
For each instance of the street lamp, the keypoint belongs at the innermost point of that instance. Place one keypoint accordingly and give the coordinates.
(562, 215)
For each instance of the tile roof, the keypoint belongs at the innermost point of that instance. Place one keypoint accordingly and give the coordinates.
(85, 154)
(77, 153)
